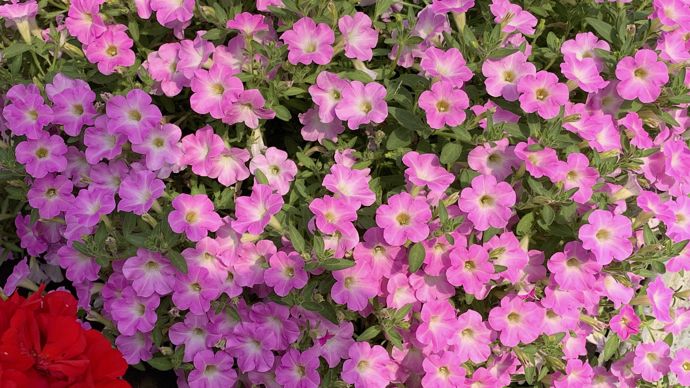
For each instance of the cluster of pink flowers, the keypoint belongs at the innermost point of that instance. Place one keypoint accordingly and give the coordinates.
(519, 224)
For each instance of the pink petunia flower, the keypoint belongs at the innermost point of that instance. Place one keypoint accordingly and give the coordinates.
(200, 147)
(299, 370)
(254, 212)
(354, 286)
(276, 167)
(680, 366)
(351, 184)
(252, 347)
(333, 214)
(51, 195)
(641, 76)
(606, 235)
(229, 167)
(574, 268)
(362, 104)
(212, 370)
(161, 147)
(487, 202)
(326, 93)
(196, 333)
(246, 107)
(112, 49)
(138, 191)
(286, 272)
(367, 366)
(516, 320)
(425, 170)
(359, 36)
(438, 323)
(512, 17)
(309, 42)
(576, 173)
(470, 268)
(195, 290)
(542, 93)
(194, 216)
(133, 313)
(149, 272)
(442, 371)
(27, 114)
(444, 105)
(43, 155)
(472, 338)
(625, 323)
(214, 87)
(132, 115)
(651, 360)
(84, 20)
(315, 130)
(404, 218)
(502, 75)
(447, 65)
(78, 267)
(661, 299)
(135, 348)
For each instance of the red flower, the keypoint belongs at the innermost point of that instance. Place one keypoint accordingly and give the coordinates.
(43, 345)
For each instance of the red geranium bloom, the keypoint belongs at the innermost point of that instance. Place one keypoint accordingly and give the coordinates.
(43, 345)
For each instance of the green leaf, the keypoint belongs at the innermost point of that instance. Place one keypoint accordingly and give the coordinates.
(337, 264)
(649, 237)
(450, 153)
(369, 333)
(402, 312)
(415, 257)
(682, 99)
(296, 239)
(260, 177)
(215, 34)
(160, 363)
(381, 7)
(399, 138)
(525, 225)
(177, 260)
(406, 118)
(602, 28)
(610, 347)
(15, 49)
(547, 214)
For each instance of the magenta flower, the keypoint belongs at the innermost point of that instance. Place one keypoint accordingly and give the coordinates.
(200, 147)
(425, 170)
(438, 323)
(29, 236)
(135, 348)
(502, 75)
(112, 49)
(512, 17)
(326, 93)
(250, 25)
(229, 167)
(351, 184)
(472, 338)
(276, 167)
(661, 299)
(84, 20)
(78, 267)
(149, 272)
(446, 65)
(333, 214)
(138, 191)
(251, 347)
(172, 13)
(362, 104)
(496, 158)
(212, 370)
(160, 146)
(359, 37)
(470, 268)
(132, 115)
(286, 272)
(354, 286)
(542, 93)
(367, 366)
(334, 341)
(195, 290)
(133, 313)
(27, 114)
(246, 106)
(51, 195)
(212, 87)
(309, 42)
(404, 218)
(299, 370)
(641, 76)
(652, 360)
(680, 366)
(444, 105)
(162, 66)
(253, 213)
(195, 333)
(100, 143)
(73, 108)
(625, 323)
(607, 236)
(516, 320)
(90, 205)
(442, 371)
(43, 155)
(194, 216)
(585, 72)
(375, 252)
(487, 203)
(315, 130)
(575, 268)
(575, 172)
